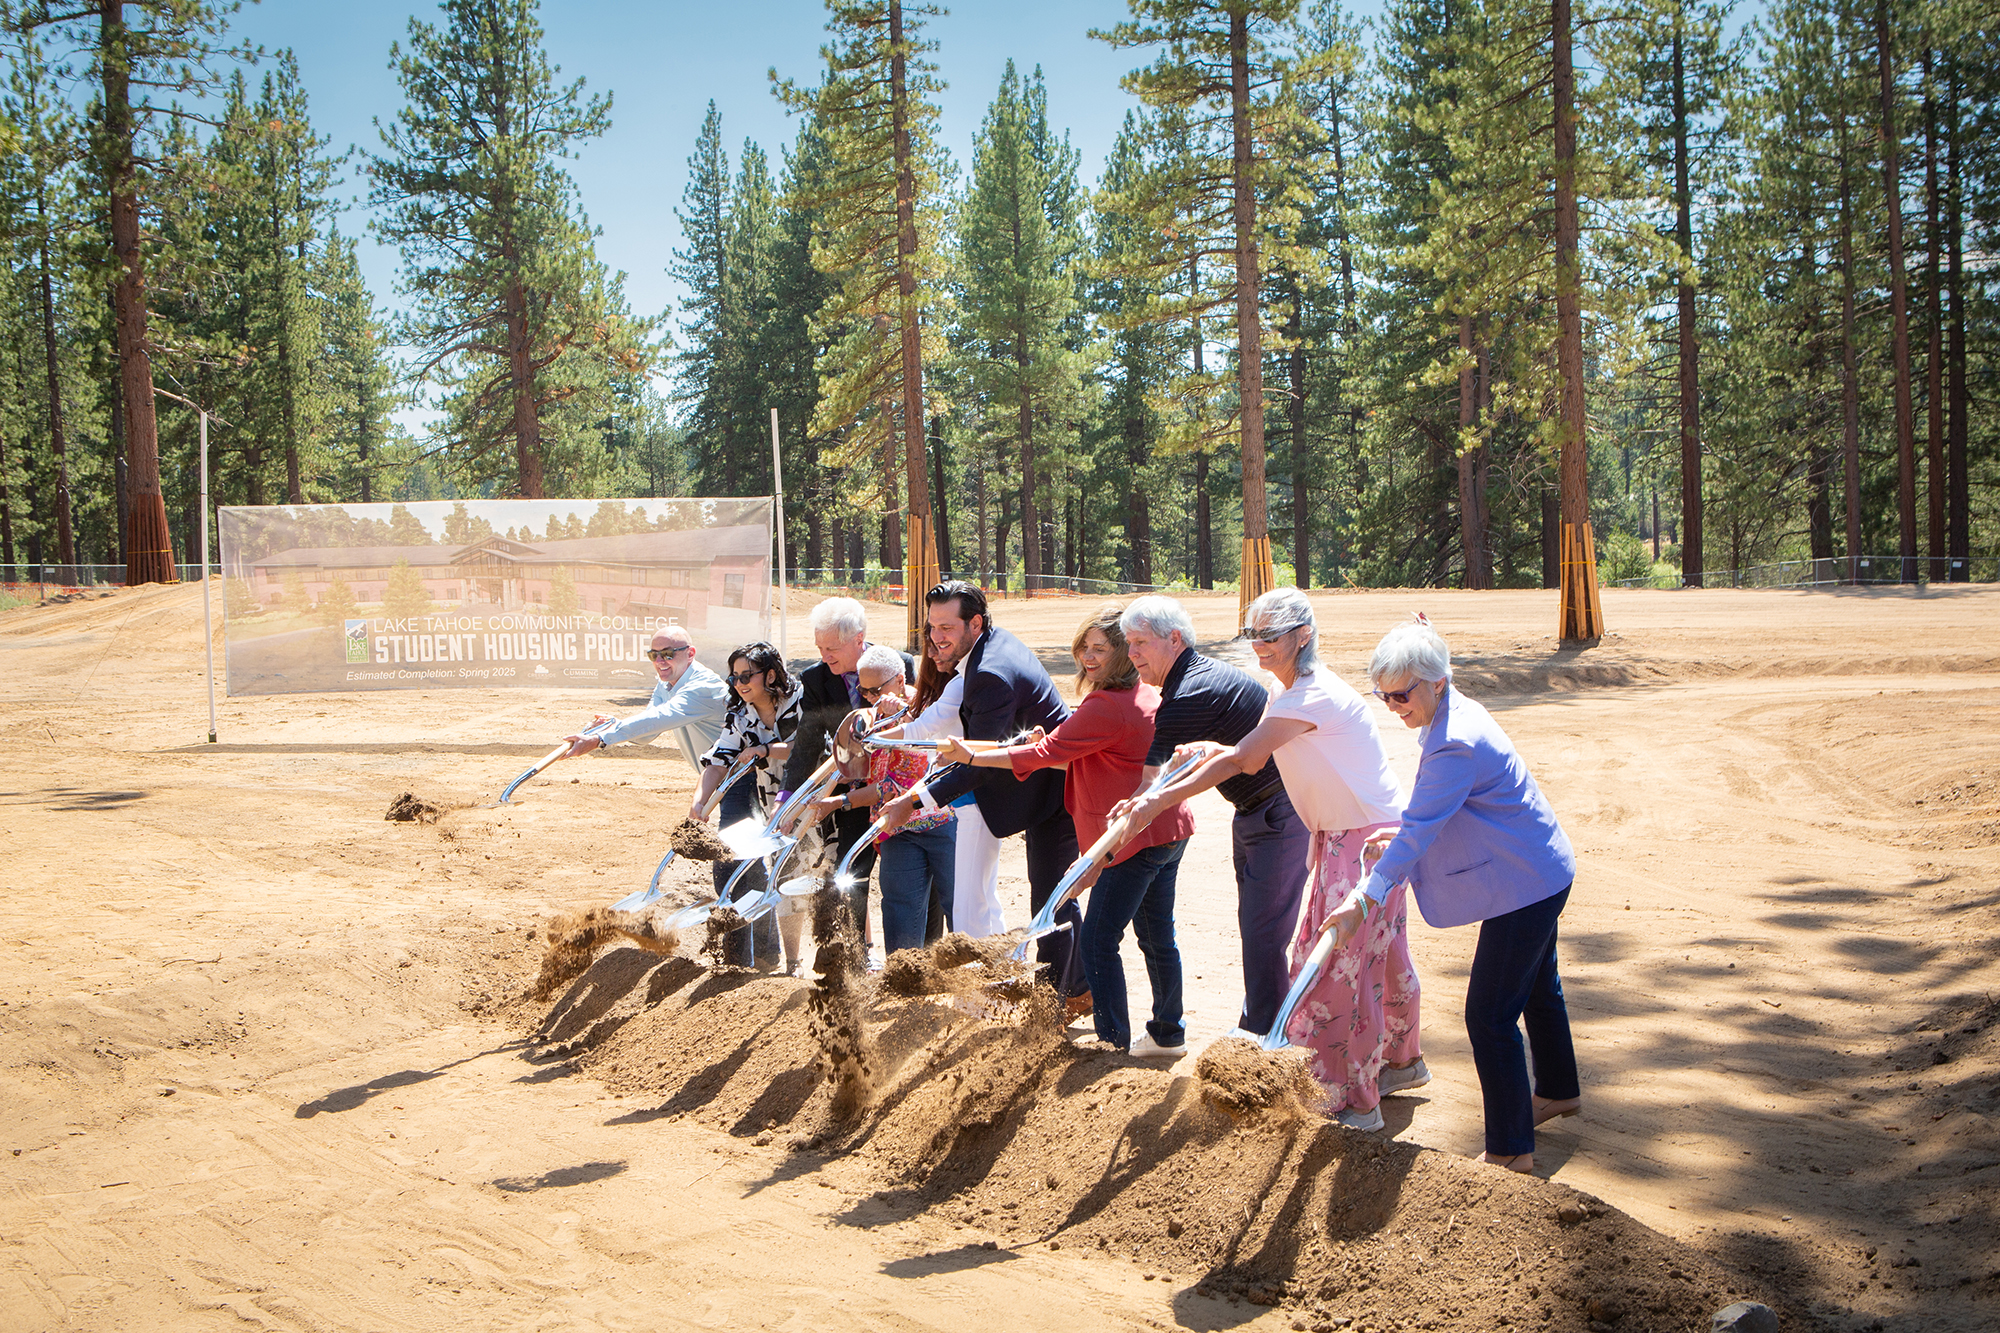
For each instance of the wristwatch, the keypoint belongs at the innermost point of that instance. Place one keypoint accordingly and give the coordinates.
(847, 799)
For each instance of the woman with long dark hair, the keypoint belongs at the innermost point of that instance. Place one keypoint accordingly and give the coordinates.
(765, 706)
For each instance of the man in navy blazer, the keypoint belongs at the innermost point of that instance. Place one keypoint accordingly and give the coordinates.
(1007, 691)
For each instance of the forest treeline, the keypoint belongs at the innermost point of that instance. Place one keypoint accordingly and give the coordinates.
(1382, 303)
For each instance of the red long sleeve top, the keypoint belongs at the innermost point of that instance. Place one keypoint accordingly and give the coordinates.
(1104, 742)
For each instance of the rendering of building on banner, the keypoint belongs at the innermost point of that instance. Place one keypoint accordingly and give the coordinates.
(548, 593)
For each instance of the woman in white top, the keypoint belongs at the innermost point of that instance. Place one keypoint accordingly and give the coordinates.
(1360, 1020)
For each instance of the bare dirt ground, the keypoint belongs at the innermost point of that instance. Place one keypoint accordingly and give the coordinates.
(268, 1062)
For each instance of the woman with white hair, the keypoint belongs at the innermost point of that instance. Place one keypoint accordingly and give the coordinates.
(1360, 1020)
(1478, 843)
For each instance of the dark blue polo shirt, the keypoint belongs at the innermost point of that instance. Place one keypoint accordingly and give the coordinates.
(1207, 700)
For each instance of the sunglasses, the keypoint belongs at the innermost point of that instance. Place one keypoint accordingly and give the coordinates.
(870, 691)
(1268, 635)
(1392, 696)
(666, 654)
(745, 677)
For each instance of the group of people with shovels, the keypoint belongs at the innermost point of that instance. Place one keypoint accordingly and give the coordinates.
(1326, 851)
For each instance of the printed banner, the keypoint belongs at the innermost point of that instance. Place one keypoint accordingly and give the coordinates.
(550, 594)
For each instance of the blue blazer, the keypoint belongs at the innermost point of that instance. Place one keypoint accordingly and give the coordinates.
(1006, 690)
(1478, 838)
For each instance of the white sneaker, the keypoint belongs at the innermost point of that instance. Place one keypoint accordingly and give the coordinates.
(1368, 1121)
(1403, 1080)
(1147, 1049)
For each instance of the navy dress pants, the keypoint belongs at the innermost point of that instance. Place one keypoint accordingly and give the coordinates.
(1271, 846)
(1051, 851)
(1515, 982)
(759, 940)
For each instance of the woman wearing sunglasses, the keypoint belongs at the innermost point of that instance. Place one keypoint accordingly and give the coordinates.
(1479, 843)
(1360, 1020)
(765, 706)
(1103, 745)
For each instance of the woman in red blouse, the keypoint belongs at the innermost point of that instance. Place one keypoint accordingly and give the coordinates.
(1103, 746)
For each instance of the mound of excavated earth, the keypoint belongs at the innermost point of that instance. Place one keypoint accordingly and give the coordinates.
(979, 1111)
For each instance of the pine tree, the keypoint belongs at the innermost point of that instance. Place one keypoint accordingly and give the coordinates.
(1018, 251)
(1222, 71)
(702, 269)
(875, 195)
(516, 318)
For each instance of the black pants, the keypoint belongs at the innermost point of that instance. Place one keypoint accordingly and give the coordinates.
(758, 942)
(848, 828)
(1052, 850)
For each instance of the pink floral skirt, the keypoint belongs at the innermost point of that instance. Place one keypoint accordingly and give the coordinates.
(1362, 1013)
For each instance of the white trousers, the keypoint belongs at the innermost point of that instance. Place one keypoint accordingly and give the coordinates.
(975, 898)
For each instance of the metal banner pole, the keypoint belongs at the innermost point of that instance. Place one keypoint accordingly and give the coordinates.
(778, 493)
(207, 601)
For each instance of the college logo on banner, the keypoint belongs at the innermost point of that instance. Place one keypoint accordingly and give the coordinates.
(543, 593)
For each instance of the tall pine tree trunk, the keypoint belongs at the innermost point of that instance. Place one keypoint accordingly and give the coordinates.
(1958, 503)
(1295, 412)
(1899, 305)
(6, 513)
(1138, 515)
(1471, 500)
(1850, 380)
(521, 385)
(920, 569)
(941, 519)
(58, 444)
(1204, 542)
(1024, 439)
(1689, 384)
(1579, 621)
(1256, 575)
(1934, 470)
(149, 548)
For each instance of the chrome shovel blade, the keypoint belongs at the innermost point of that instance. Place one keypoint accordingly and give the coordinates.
(649, 895)
(1275, 1039)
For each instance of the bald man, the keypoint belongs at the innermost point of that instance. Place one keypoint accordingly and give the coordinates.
(688, 700)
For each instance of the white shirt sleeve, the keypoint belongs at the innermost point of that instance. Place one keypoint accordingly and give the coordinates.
(941, 719)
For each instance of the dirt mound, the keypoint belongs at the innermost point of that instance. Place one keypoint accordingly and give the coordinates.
(998, 1123)
(1244, 1079)
(574, 942)
(410, 808)
(697, 842)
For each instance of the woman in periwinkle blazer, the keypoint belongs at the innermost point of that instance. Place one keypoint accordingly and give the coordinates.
(1478, 842)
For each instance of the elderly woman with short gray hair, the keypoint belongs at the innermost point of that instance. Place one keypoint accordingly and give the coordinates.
(1478, 842)
(1361, 1018)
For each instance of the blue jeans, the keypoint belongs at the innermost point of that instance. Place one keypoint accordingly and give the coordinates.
(760, 938)
(916, 883)
(1514, 979)
(1271, 846)
(1138, 890)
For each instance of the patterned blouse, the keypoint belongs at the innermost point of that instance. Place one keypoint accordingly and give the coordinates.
(894, 772)
(744, 730)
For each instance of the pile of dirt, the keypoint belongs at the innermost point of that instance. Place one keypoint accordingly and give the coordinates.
(410, 808)
(951, 966)
(697, 842)
(999, 1124)
(575, 939)
(1244, 1079)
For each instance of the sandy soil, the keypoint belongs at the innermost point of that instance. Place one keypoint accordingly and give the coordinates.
(268, 1058)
